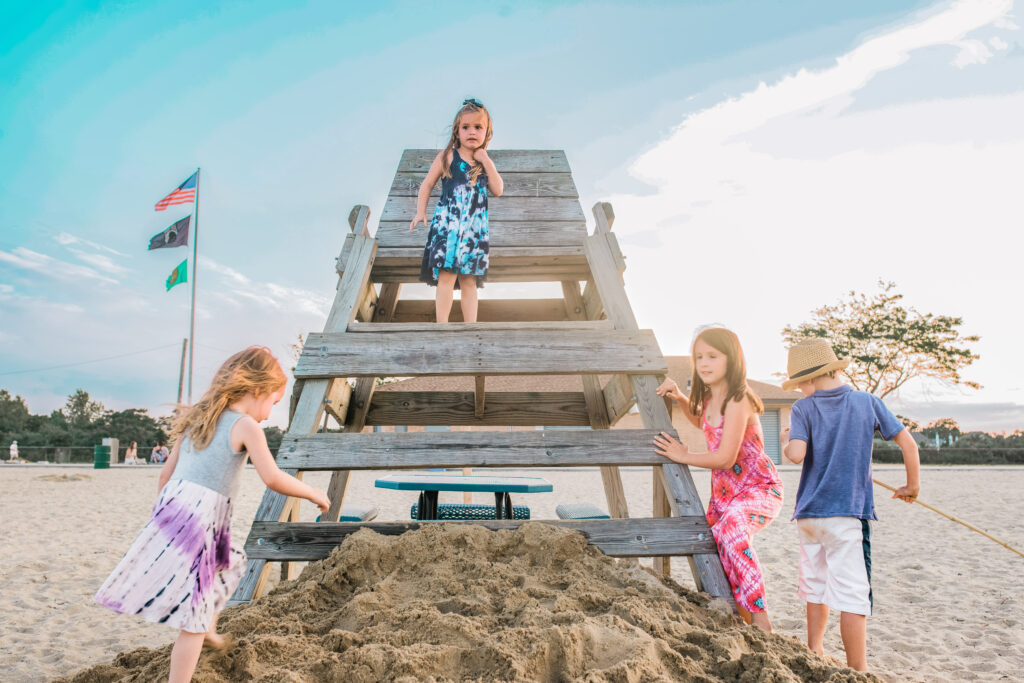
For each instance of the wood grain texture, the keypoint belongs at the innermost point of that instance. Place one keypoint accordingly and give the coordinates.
(499, 208)
(549, 327)
(528, 184)
(491, 310)
(504, 352)
(457, 409)
(505, 160)
(501, 231)
(414, 450)
(614, 537)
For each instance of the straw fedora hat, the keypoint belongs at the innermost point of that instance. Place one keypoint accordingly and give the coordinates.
(809, 359)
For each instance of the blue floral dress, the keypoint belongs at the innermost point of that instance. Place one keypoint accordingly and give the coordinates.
(458, 240)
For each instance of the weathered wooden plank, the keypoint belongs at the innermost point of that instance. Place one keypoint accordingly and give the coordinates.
(367, 304)
(537, 448)
(352, 287)
(618, 397)
(506, 160)
(608, 281)
(491, 310)
(523, 273)
(502, 352)
(386, 303)
(547, 326)
(614, 537)
(528, 184)
(505, 208)
(604, 217)
(337, 400)
(660, 508)
(457, 409)
(592, 300)
(501, 257)
(501, 232)
(479, 396)
(358, 218)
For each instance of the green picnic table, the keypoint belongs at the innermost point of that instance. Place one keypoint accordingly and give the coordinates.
(429, 485)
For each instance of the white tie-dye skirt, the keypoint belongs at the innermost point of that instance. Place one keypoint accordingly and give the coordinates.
(182, 569)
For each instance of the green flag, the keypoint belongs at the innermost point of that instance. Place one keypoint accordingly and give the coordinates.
(178, 275)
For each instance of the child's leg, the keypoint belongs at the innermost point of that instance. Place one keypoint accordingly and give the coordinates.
(445, 292)
(214, 639)
(185, 656)
(817, 620)
(467, 283)
(854, 630)
(740, 563)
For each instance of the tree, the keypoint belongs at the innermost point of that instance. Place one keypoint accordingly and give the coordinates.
(80, 411)
(13, 413)
(274, 436)
(133, 424)
(945, 428)
(890, 344)
(909, 422)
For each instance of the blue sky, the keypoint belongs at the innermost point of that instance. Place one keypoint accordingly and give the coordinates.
(882, 134)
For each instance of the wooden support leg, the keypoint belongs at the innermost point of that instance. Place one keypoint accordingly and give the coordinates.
(662, 565)
(290, 570)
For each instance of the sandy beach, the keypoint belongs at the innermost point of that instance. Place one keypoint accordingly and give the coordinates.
(946, 600)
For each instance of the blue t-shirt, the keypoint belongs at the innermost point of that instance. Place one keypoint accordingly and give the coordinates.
(838, 426)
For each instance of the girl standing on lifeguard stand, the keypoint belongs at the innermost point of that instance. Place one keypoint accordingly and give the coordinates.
(456, 252)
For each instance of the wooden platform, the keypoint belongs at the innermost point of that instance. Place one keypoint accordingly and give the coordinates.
(538, 233)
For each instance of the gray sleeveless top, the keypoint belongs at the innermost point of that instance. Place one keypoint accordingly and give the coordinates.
(216, 467)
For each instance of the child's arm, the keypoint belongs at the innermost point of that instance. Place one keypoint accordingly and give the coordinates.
(795, 450)
(912, 462)
(671, 389)
(247, 434)
(495, 185)
(737, 414)
(168, 469)
(426, 187)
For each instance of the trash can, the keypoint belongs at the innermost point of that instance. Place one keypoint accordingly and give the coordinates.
(100, 457)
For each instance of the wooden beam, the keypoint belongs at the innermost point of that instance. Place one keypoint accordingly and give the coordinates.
(358, 218)
(504, 352)
(604, 217)
(458, 409)
(352, 288)
(660, 508)
(506, 160)
(503, 232)
(618, 397)
(508, 208)
(545, 326)
(478, 396)
(521, 184)
(614, 537)
(535, 448)
(491, 310)
(337, 401)
(384, 273)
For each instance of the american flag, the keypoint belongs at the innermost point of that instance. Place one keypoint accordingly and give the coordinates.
(183, 194)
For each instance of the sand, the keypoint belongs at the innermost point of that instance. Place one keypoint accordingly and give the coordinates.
(527, 605)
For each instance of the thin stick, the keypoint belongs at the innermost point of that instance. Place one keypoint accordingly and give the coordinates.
(972, 528)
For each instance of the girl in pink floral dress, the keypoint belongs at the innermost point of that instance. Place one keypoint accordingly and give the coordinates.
(746, 493)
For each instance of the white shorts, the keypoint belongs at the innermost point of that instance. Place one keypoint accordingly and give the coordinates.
(835, 563)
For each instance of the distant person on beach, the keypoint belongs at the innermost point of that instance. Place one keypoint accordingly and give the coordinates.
(159, 453)
(182, 567)
(831, 433)
(131, 454)
(746, 492)
(14, 451)
(457, 247)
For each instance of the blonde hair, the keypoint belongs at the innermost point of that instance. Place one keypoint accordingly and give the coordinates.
(475, 168)
(727, 343)
(252, 371)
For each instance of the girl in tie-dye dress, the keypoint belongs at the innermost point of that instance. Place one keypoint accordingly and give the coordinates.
(182, 567)
(746, 492)
(458, 243)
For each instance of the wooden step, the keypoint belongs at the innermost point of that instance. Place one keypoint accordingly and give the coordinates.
(652, 537)
(555, 327)
(516, 184)
(500, 208)
(506, 160)
(458, 409)
(502, 352)
(490, 310)
(502, 231)
(412, 450)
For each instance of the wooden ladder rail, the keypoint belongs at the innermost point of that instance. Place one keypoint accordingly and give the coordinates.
(314, 395)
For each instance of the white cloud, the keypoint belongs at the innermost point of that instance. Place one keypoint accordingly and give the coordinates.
(971, 52)
(776, 201)
(266, 294)
(27, 259)
(66, 239)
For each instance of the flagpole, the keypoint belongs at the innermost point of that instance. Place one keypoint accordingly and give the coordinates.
(195, 272)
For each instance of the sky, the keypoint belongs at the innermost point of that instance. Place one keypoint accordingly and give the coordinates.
(763, 160)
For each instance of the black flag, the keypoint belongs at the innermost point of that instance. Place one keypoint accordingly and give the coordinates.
(174, 236)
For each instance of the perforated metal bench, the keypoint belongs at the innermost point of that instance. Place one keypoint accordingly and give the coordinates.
(580, 511)
(467, 511)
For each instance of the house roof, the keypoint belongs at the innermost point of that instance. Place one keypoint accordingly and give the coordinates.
(679, 368)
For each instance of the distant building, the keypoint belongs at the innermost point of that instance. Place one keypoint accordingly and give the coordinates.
(777, 403)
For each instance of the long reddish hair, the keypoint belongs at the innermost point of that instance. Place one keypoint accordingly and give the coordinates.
(252, 371)
(727, 343)
(475, 167)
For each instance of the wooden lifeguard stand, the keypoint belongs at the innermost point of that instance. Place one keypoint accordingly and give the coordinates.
(538, 233)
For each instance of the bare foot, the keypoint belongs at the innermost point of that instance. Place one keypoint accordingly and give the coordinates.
(760, 620)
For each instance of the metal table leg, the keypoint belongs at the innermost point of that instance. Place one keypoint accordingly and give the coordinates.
(499, 502)
(508, 506)
(432, 497)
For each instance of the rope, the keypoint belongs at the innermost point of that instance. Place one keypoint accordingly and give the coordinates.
(972, 528)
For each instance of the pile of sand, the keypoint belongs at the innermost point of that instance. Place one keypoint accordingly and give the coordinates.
(460, 602)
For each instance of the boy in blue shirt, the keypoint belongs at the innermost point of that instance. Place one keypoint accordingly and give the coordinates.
(831, 433)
